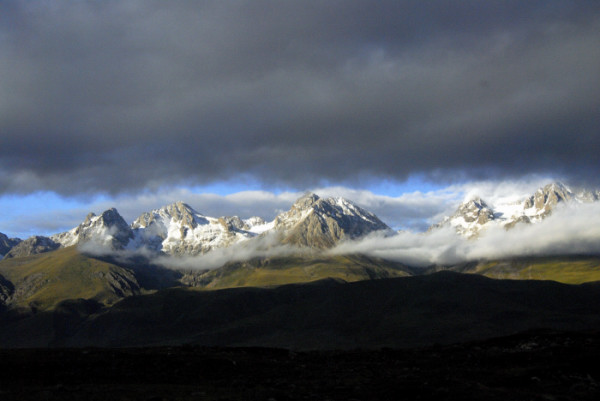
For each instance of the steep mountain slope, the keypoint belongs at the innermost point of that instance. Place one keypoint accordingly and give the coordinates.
(321, 223)
(43, 281)
(540, 204)
(32, 246)
(177, 229)
(476, 215)
(311, 224)
(295, 269)
(109, 230)
(470, 217)
(7, 243)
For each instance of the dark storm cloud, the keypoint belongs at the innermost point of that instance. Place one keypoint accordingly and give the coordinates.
(121, 95)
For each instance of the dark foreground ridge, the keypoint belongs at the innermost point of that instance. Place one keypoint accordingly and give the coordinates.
(538, 365)
(441, 308)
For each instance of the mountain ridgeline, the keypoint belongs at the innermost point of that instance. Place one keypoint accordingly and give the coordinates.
(476, 215)
(104, 282)
(105, 259)
(177, 229)
(311, 223)
(6, 244)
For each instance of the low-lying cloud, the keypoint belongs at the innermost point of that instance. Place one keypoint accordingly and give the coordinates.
(572, 229)
(569, 230)
(266, 246)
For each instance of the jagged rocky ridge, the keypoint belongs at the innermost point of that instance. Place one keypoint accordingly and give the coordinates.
(476, 214)
(322, 223)
(32, 246)
(177, 229)
(108, 230)
(312, 222)
(7, 243)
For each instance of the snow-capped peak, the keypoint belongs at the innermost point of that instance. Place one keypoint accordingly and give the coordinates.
(178, 212)
(475, 215)
(109, 230)
(179, 229)
(544, 199)
(470, 216)
(316, 222)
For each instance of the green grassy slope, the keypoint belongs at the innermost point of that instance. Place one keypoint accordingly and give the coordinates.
(299, 269)
(42, 281)
(569, 270)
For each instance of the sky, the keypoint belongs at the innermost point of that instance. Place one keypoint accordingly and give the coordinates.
(239, 107)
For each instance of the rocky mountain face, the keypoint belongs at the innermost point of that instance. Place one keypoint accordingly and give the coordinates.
(7, 243)
(476, 215)
(321, 223)
(177, 229)
(545, 199)
(470, 216)
(311, 222)
(108, 230)
(32, 246)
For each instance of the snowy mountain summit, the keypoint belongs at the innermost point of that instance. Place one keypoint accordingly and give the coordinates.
(178, 229)
(310, 223)
(322, 223)
(107, 230)
(475, 215)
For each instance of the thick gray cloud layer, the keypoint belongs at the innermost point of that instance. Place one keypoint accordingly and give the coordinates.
(114, 96)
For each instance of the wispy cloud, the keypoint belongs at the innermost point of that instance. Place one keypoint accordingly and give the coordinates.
(266, 246)
(569, 230)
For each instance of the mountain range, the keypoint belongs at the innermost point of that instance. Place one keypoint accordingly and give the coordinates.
(253, 252)
(476, 214)
(177, 229)
(86, 274)
(311, 223)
